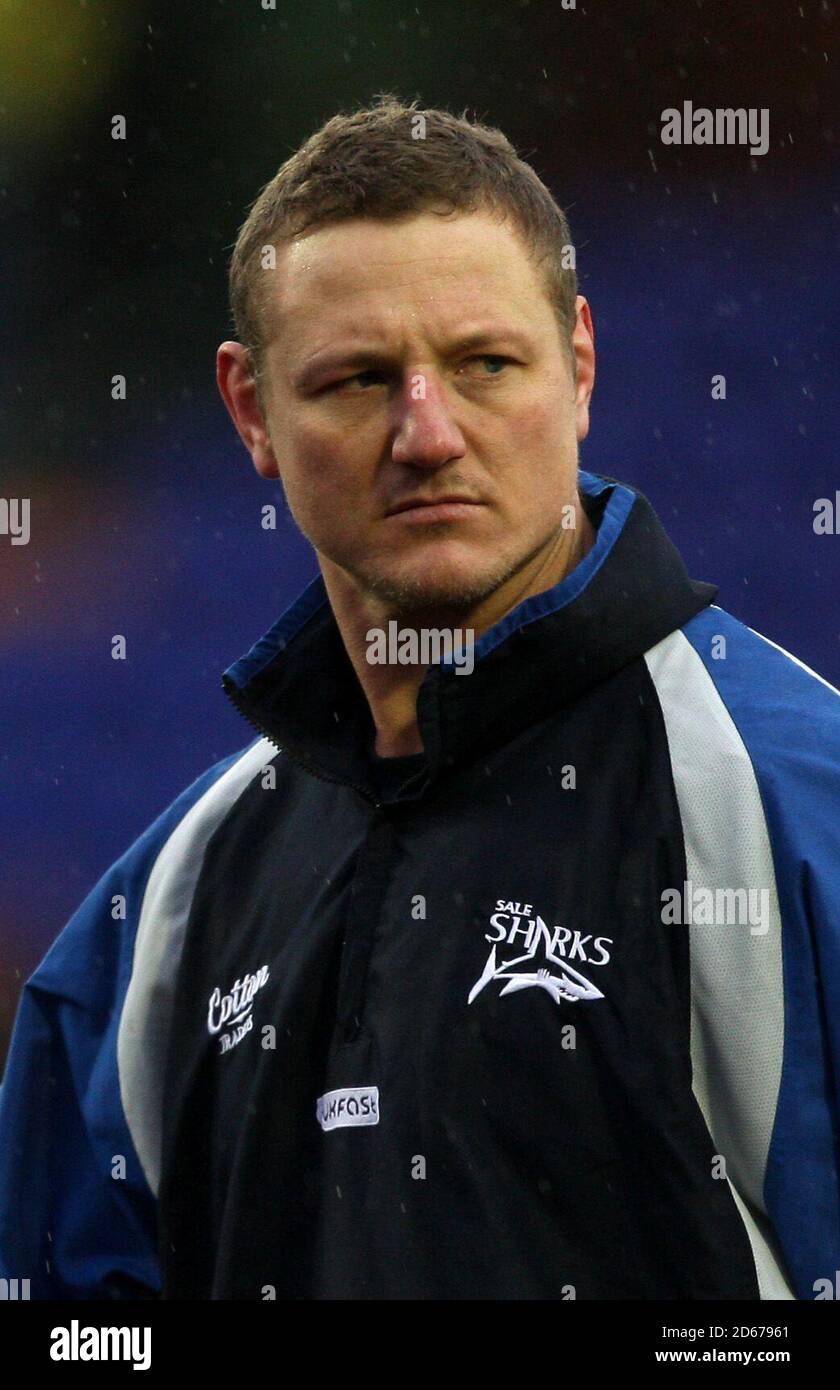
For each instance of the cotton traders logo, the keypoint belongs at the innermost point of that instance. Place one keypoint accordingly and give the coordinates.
(232, 1011)
(543, 962)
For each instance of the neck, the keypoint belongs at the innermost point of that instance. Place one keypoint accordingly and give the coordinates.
(391, 689)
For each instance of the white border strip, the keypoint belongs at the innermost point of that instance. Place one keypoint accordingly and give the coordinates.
(737, 998)
(143, 1036)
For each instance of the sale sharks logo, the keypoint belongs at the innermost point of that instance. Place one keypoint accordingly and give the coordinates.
(527, 954)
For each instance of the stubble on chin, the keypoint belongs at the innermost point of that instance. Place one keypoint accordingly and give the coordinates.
(424, 596)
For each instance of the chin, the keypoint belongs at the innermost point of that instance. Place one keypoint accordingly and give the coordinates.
(435, 585)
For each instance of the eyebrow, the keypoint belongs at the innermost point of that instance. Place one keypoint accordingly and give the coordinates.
(369, 358)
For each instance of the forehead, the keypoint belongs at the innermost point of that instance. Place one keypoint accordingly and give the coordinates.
(427, 270)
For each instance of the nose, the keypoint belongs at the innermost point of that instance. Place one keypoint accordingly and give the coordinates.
(426, 435)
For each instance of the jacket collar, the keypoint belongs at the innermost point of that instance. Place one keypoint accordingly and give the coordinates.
(297, 685)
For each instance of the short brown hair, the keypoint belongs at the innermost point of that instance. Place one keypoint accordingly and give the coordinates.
(372, 164)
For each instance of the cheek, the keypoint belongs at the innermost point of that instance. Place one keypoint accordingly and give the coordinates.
(543, 441)
(317, 469)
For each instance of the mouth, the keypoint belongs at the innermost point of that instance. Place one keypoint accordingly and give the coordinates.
(449, 508)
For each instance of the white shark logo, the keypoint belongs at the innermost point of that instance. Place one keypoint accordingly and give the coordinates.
(568, 984)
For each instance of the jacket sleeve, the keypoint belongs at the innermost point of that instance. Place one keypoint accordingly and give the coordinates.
(755, 748)
(80, 1099)
(77, 1218)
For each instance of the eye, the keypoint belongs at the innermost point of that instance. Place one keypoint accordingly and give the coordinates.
(494, 358)
(357, 377)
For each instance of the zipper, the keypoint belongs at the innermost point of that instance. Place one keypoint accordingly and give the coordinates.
(236, 700)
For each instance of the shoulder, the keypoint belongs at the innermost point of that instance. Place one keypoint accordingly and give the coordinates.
(151, 879)
(103, 995)
(776, 700)
(732, 699)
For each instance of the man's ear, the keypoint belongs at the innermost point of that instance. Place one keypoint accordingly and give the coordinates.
(235, 379)
(583, 344)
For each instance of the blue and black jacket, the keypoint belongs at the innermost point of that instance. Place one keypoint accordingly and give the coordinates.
(551, 1010)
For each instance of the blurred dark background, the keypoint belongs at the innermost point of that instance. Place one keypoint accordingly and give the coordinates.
(145, 513)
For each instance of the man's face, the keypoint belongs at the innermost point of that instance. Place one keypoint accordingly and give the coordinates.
(413, 361)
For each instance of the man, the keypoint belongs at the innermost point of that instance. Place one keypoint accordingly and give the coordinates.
(514, 974)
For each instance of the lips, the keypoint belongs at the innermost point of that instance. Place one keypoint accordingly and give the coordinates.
(419, 502)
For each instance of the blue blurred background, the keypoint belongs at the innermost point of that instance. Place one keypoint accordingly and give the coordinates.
(146, 512)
